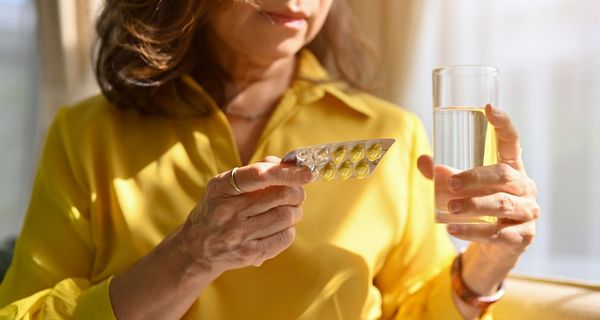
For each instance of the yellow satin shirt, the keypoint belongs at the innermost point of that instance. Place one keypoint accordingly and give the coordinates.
(111, 184)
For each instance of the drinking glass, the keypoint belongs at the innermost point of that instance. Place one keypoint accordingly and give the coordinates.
(462, 137)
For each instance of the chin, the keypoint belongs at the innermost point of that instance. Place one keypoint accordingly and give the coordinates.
(286, 50)
(280, 50)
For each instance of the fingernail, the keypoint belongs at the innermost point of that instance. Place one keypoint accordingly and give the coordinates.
(454, 183)
(495, 110)
(452, 228)
(454, 206)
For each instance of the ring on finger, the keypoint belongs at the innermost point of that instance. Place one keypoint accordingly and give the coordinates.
(233, 182)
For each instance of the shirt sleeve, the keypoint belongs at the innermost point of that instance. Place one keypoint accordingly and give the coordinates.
(415, 279)
(49, 276)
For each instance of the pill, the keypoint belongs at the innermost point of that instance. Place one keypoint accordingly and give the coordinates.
(374, 152)
(328, 171)
(362, 169)
(357, 153)
(345, 170)
(339, 155)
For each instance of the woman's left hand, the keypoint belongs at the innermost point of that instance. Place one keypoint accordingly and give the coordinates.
(502, 190)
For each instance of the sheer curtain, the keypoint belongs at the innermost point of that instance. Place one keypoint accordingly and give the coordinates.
(18, 119)
(548, 54)
(65, 39)
(45, 53)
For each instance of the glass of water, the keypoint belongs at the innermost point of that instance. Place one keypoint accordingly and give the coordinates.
(462, 137)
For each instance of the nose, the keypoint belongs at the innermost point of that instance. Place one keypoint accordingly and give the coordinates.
(297, 3)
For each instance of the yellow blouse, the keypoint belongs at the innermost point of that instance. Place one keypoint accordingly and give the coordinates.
(111, 184)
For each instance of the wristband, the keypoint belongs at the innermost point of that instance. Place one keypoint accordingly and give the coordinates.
(467, 295)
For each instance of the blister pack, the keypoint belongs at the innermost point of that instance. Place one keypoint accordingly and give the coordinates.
(341, 160)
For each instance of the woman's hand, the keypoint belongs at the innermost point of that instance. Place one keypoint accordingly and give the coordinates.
(226, 230)
(502, 190)
(230, 230)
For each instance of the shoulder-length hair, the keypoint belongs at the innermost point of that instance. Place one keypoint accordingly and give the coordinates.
(146, 45)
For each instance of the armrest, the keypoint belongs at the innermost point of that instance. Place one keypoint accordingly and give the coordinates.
(532, 298)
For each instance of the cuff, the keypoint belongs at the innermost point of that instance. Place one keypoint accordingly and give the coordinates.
(95, 303)
(441, 304)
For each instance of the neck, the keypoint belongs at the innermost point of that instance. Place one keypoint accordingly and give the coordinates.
(243, 70)
(253, 86)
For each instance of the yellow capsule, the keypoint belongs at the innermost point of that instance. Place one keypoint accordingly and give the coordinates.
(357, 153)
(345, 170)
(374, 152)
(362, 169)
(339, 155)
(328, 171)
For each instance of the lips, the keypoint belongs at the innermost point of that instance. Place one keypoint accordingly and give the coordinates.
(288, 19)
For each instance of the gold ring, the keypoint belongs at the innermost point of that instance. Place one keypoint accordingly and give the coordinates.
(232, 180)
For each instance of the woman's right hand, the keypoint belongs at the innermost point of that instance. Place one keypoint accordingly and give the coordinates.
(229, 230)
(226, 230)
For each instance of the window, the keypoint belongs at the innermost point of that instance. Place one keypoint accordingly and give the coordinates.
(548, 54)
(19, 134)
(33, 87)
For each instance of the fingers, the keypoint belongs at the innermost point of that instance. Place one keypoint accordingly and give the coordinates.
(509, 146)
(273, 245)
(491, 179)
(515, 236)
(251, 204)
(258, 176)
(501, 205)
(484, 233)
(425, 165)
(231, 229)
(272, 221)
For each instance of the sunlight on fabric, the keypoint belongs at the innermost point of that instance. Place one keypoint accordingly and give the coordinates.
(128, 196)
(329, 289)
(37, 259)
(363, 206)
(74, 213)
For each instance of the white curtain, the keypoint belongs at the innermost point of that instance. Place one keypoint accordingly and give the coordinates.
(66, 34)
(18, 116)
(45, 53)
(548, 54)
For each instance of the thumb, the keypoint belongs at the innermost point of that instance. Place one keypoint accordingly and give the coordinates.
(425, 165)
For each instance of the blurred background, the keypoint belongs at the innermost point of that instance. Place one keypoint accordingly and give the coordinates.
(547, 51)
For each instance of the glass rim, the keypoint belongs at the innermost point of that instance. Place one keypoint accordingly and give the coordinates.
(474, 68)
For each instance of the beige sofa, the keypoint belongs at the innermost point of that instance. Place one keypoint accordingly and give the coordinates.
(532, 298)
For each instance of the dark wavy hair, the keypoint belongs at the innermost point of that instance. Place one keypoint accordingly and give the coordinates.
(145, 46)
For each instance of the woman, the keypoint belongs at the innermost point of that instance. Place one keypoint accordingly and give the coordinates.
(195, 88)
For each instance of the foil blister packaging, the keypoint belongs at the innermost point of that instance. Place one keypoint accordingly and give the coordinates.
(341, 160)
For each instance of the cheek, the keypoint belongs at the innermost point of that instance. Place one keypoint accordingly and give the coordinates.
(316, 23)
(234, 27)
